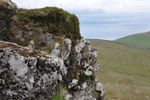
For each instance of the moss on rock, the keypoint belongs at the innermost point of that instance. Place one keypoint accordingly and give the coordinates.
(57, 21)
(83, 77)
(29, 25)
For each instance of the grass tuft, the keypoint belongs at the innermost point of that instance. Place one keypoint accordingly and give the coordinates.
(61, 91)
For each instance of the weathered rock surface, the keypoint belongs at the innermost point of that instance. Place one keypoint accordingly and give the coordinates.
(31, 44)
(80, 76)
(46, 39)
(26, 73)
(66, 49)
(29, 74)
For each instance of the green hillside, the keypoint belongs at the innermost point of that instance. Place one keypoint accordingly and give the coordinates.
(141, 40)
(124, 70)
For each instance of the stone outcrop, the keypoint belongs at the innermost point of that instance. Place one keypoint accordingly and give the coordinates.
(43, 26)
(80, 76)
(52, 53)
(26, 73)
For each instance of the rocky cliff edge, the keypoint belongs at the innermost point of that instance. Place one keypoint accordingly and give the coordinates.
(35, 70)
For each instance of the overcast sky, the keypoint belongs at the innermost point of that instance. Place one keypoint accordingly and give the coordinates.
(111, 6)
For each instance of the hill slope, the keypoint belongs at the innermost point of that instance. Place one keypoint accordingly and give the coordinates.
(141, 40)
(124, 70)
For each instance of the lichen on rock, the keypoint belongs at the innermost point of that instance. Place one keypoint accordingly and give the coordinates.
(28, 76)
(56, 54)
(34, 71)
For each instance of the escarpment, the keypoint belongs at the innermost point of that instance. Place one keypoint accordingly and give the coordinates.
(42, 50)
(35, 24)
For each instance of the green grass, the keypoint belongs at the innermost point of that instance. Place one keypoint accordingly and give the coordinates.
(124, 70)
(141, 40)
(30, 24)
(60, 93)
(83, 78)
(56, 20)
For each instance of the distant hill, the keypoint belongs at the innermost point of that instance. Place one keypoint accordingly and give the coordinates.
(124, 70)
(141, 40)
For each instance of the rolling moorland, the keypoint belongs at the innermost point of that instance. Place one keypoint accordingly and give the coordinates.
(124, 70)
(140, 40)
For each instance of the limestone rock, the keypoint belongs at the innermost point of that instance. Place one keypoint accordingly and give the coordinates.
(56, 50)
(85, 93)
(84, 85)
(26, 74)
(85, 60)
(100, 89)
(73, 83)
(80, 45)
(68, 96)
(88, 73)
(31, 44)
(45, 40)
(63, 51)
(66, 49)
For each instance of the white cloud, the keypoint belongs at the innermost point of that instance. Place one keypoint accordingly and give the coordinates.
(106, 5)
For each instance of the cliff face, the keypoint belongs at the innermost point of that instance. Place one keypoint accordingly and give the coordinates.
(32, 24)
(26, 74)
(65, 59)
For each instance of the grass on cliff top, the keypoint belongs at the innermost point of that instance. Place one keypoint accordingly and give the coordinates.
(124, 71)
(53, 20)
(141, 40)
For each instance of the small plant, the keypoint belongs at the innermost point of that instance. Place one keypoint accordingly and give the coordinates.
(82, 50)
(59, 39)
(49, 48)
(83, 77)
(59, 93)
